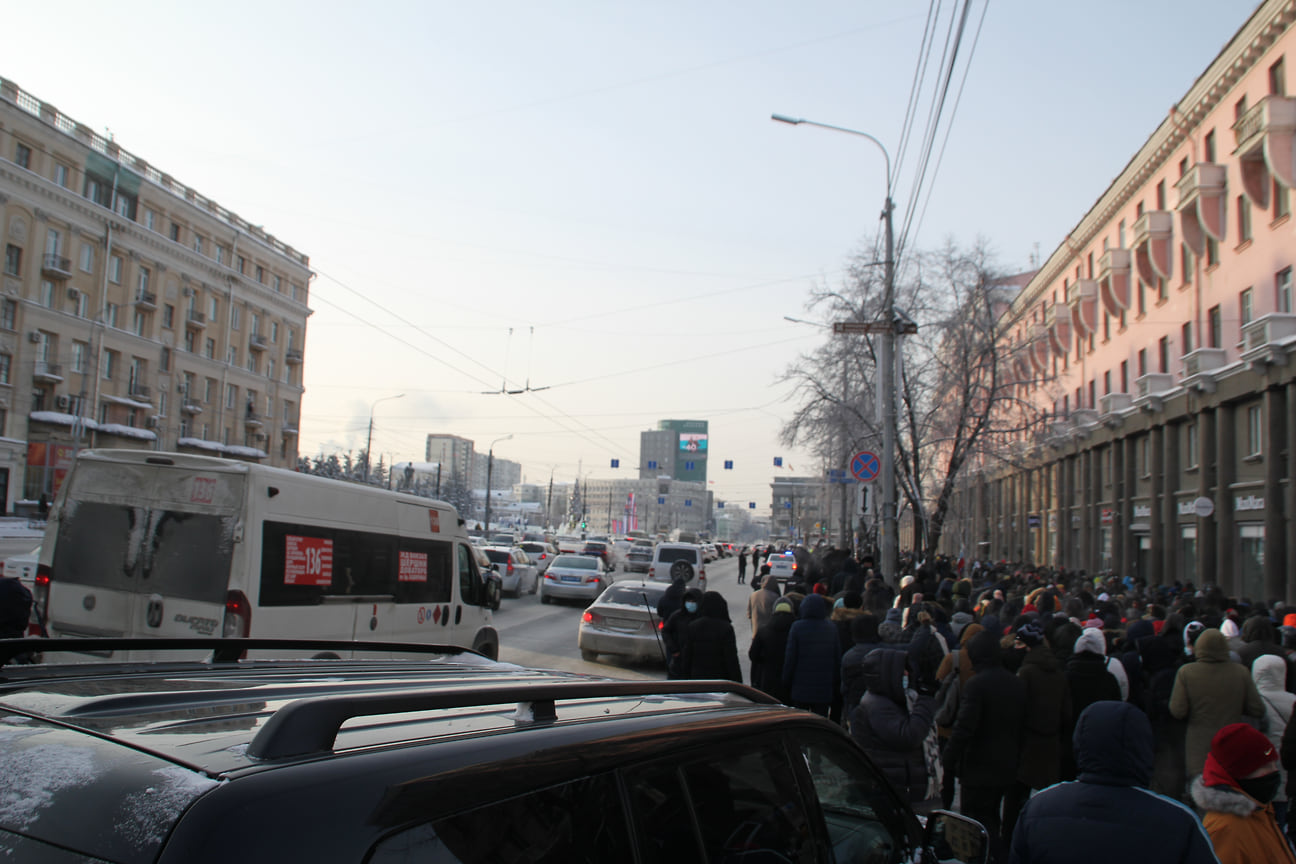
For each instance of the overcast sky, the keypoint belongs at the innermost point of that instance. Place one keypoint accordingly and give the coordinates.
(590, 196)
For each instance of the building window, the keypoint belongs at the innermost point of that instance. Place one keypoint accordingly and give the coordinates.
(189, 341)
(277, 284)
(270, 367)
(1163, 354)
(80, 356)
(1187, 263)
(1245, 309)
(109, 360)
(231, 356)
(1161, 290)
(87, 258)
(1142, 298)
(13, 260)
(1243, 219)
(142, 283)
(1142, 362)
(110, 314)
(1278, 78)
(1145, 456)
(1212, 252)
(175, 233)
(274, 332)
(198, 244)
(242, 264)
(8, 314)
(1283, 289)
(140, 324)
(1214, 330)
(260, 274)
(1281, 202)
(236, 316)
(115, 270)
(47, 294)
(22, 155)
(1186, 335)
(231, 395)
(6, 362)
(1208, 146)
(164, 363)
(209, 349)
(161, 403)
(61, 174)
(150, 219)
(1190, 444)
(220, 254)
(1124, 376)
(209, 390)
(1255, 440)
(168, 316)
(213, 306)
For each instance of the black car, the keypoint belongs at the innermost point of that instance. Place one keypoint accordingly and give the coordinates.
(437, 755)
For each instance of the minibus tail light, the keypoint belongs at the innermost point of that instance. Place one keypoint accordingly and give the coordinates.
(238, 616)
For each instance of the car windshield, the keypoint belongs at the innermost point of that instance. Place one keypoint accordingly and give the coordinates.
(633, 595)
(499, 556)
(575, 562)
(533, 547)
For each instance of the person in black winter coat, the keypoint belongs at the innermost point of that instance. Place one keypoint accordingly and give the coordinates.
(675, 631)
(888, 729)
(1108, 812)
(985, 741)
(1089, 682)
(15, 608)
(768, 649)
(711, 650)
(864, 630)
(812, 662)
(672, 599)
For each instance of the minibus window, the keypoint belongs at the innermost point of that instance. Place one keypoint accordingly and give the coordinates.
(189, 556)
(94, 545)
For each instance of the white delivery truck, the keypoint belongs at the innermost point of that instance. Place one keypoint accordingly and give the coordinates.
(145, 543)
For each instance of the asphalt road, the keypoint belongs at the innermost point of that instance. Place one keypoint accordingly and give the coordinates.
(544, 636)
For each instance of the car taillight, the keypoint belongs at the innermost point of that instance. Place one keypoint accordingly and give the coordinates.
(510, 567)
(40, 600)
(550, 576)
(238, 616)
(591, 617)
(661, 625)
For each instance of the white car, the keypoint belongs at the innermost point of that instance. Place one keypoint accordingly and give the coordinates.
(679, 561)
(517, 573)
(782, 567)
(574, 577)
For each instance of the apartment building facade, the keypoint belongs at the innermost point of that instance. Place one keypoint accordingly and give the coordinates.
(1156, 345)
(134, 311)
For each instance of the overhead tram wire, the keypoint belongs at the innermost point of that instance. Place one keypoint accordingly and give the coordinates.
(915, 88)
(958, 97)
(432, 356)
(953, 42)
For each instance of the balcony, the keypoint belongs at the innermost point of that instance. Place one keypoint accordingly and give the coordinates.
(1114, 281)
(47, 373)
(56, 267)
(1114, 403)
(257, 342)
(1057, 318)
(1154, 245)
(293, 356)
(253, 420)
(1082, 297)
(1203, 205)
(140, 392)
(195, 320)
(146, 300)
(1083, 418)
(1265, 136)
(1266, 339)
(1199, 367)
(1150, 388)
(191, 408)
(290, 427)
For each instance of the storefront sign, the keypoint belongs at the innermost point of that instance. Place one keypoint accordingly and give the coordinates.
(1142, 511)
(1107, 516)
(1249, 502)
(1033, 521)
(1186, 508)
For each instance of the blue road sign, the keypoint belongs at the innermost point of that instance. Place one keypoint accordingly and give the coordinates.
(661, 500)
(688, 502)
(728, 464)
(652, 465)
(778, 461)
(688, 466)
(865, 466)
(720, 505)
(751, 505)
(616, 463)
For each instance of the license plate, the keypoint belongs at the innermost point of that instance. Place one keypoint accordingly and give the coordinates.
(571, 579)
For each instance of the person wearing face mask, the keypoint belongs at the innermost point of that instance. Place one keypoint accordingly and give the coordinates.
(1238, 783)
(675, 631)
(710, 650)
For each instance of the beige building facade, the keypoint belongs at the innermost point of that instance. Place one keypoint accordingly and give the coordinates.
(134, 311)
(1156, 345)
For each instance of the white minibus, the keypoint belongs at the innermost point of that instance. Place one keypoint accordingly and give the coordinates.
(146, 543)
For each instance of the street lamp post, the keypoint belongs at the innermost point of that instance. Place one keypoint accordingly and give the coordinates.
(369, 440)
(490, 467)
(887, 384)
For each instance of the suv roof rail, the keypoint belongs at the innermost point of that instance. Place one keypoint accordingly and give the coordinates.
(223, 650)
(310, 726)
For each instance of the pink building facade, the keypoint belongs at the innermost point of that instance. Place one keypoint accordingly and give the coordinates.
(1157, 345)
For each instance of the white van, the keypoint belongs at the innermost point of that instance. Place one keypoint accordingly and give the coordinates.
(143, 543)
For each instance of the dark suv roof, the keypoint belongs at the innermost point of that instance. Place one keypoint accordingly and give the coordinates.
(327, 759)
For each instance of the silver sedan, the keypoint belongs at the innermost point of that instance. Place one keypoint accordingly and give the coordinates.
(574, 577)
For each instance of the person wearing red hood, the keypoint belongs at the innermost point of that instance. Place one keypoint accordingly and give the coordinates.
(1237, 785)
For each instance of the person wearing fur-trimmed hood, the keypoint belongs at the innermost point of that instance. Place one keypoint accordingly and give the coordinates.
(1236, 788)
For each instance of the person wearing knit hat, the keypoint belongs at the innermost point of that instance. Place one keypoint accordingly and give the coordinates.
(1239, 780)
(1048, 717)
(1088, 681)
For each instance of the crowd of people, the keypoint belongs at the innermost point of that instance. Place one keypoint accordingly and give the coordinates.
(1059, 709)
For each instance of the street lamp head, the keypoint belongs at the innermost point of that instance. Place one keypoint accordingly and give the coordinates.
(783, 118)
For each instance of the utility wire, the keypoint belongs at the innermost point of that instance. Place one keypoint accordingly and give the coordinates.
(915, 88)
